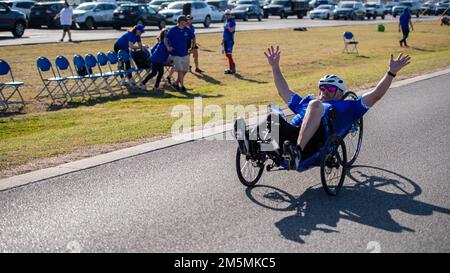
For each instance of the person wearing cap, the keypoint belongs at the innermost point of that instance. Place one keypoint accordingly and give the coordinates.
(177, 43)
(128, 41)
(194, 50)
(229, 29)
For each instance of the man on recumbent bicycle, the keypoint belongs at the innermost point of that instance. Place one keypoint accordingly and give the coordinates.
(306, 129)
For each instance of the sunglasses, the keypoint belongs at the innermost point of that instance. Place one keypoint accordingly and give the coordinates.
(329, 88)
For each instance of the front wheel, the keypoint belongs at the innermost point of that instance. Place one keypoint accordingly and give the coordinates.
(333, 164)
(162, 24)
(354, 137)
(89, 24)
(207, 21)
(249, 171)
(19, 29)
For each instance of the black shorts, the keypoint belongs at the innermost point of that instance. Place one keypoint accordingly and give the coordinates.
(291, 132)
(66, 27)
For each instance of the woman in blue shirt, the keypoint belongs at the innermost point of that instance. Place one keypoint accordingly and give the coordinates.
(159, 58)
(127, 41)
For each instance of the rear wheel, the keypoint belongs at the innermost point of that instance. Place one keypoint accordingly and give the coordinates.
(353, 140)
(282, 15)
(19, 29)
(248, 170)
(333, 165)
(259, 18)
(246, 17)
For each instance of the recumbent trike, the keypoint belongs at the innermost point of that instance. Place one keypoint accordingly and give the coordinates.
(264, 150)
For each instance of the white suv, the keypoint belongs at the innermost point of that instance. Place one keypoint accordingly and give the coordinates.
(92, 15)
(20, 5)
(198, 9)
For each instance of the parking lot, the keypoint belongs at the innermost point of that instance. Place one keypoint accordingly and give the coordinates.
(44, 35)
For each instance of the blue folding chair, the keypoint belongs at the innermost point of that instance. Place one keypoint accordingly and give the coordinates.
(350, 42)
(82, 70)
(94, 70)
(54, 85)
(64, 69)
(125, 57)
(9, 88)
(104, 62)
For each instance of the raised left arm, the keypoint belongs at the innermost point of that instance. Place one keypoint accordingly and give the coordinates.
(395, 65)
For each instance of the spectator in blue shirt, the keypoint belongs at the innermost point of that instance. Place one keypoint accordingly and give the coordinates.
(229, 28)
(310, 110)
(159, 59)
(128, 41)
(194, 50)
(404, 24)
(176, 41)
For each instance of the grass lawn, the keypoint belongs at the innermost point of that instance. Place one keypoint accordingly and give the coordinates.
(306, 56)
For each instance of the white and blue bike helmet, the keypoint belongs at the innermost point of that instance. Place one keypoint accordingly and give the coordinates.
(333, 80)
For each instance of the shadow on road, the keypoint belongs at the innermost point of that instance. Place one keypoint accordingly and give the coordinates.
(368, 198)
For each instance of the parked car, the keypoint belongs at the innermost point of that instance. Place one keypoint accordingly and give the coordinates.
(428, 8)
(322, 12)
(350, 10)
(20, 5)
(129, 15)
(247, 2)
(157, 4)
(246, 12)
(441, 7)
(414, 8)
(219, 4)
(315, 3)
(95, 14)
(373, 10)
(43, 13)
(285, 8)
(12, 20)
(216, 14)
(198, 9)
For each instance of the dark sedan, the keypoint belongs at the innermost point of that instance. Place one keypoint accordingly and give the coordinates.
(12, 20)
(44, 13)
(246, 12)
(128, 15)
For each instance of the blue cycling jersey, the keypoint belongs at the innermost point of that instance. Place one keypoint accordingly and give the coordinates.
(347, 111)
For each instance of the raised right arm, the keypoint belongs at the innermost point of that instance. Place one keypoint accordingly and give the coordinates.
(273, 57)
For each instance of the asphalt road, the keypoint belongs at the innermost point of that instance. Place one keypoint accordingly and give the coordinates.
(187, 198)
(37, 36)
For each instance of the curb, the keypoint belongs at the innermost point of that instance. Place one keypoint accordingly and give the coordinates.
(87, 163)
